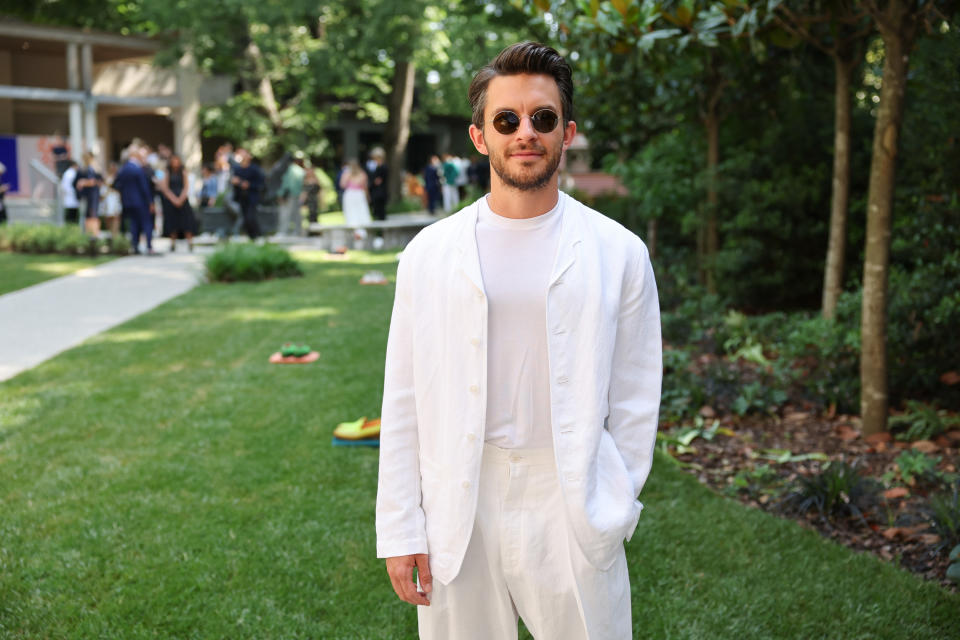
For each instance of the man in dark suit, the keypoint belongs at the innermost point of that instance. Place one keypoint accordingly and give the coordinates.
(135, 196)
(377, 179)
(247, 183)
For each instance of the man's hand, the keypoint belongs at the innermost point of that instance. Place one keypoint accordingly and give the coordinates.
(400, 569)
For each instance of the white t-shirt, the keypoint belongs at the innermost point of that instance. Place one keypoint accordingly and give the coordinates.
(516, 260)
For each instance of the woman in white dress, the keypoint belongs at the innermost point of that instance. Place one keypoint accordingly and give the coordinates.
(356, 211)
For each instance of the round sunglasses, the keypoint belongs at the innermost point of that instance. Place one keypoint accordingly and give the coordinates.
(543, 120)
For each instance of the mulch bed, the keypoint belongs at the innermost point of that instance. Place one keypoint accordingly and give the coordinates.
(894, 527)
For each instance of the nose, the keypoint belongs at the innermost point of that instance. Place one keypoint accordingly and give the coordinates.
(526, 130)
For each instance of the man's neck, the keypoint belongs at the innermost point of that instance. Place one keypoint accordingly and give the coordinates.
(514, 203)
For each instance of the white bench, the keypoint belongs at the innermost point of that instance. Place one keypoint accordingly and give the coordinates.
(396, 232)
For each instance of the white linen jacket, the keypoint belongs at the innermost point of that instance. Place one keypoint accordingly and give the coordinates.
(604, 350)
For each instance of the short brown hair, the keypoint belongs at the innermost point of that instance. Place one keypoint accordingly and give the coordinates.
(523, 57)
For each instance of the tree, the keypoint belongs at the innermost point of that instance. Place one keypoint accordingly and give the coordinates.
(719, 34)
(838, 28)
(898, 22)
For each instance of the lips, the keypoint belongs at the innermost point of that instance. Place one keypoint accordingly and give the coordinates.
(527, 154)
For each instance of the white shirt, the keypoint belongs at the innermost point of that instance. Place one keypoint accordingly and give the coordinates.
(67, 192)
(516, 260)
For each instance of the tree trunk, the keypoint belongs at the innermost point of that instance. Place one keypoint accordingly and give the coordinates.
(264, 86)
(398, 126)
(711, 239)
(898, 31)
(652, 237)
(833, 271)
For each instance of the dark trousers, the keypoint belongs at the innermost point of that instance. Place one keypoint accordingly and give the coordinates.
(140, 222)
(379, 208)
(248, 207)
(434, 200)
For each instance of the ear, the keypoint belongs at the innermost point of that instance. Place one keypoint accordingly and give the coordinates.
(476, 136)
(569, 133)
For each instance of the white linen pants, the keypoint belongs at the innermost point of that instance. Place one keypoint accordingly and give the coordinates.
(522, 561)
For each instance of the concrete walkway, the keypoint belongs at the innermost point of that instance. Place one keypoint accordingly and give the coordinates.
(39, 322)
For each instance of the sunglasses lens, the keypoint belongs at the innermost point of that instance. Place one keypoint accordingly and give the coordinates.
(545, 121)
(506, 122)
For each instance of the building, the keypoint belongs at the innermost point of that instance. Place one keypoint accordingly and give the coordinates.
(99, 90)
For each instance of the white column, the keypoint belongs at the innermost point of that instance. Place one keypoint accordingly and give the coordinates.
(76, 108)
(186, 117)
(90, 106)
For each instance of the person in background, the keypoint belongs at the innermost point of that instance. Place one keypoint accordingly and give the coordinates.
(377, 181)
(291, 197)
(4, 187)
(356, 212)
(210, 186)
(431, 182)
(451, 174)
(110, 205)
(136, 197)
(178, 219)
(311, 194)
(61, 154)
(248, 181)
(87, 185)
(68, 194)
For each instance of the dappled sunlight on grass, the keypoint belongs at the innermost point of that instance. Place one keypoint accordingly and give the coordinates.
(249, 315)
(356, 258)
(120, 336)
(18, 270)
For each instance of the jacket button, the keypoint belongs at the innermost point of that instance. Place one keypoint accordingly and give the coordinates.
(471, 437)
(466, 484)
(474, 389)
(475, 342)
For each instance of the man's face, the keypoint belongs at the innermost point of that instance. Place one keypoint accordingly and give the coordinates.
(526, 159)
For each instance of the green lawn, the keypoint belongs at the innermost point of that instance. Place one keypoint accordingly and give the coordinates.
(19, 270)
(163, 480)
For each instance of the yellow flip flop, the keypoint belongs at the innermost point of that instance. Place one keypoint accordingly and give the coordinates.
(361, 429)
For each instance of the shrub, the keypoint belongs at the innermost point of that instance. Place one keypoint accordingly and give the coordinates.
(921, 422)
(838, 490)
(944, 512)
(68, 240)
(251, 262)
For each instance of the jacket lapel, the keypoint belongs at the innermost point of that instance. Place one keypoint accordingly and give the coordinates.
(468, 260)
(570, 236)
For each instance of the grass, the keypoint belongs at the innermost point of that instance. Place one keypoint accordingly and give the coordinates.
(184, 488)
(20, 270)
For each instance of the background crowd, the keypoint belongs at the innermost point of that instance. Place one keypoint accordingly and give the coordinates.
(148, 190)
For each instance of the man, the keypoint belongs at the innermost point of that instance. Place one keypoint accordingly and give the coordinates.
(522, 385)
(290, 197)
(377, 176)
(431, 182)
(136, 197)
(247, 182)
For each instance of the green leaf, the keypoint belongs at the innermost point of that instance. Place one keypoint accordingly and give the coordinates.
(953, 572)
(955, 554)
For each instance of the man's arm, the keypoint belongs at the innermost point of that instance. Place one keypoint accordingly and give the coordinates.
(637, 371)
(401, 530)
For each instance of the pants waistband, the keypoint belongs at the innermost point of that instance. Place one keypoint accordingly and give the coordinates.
(497, 454)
